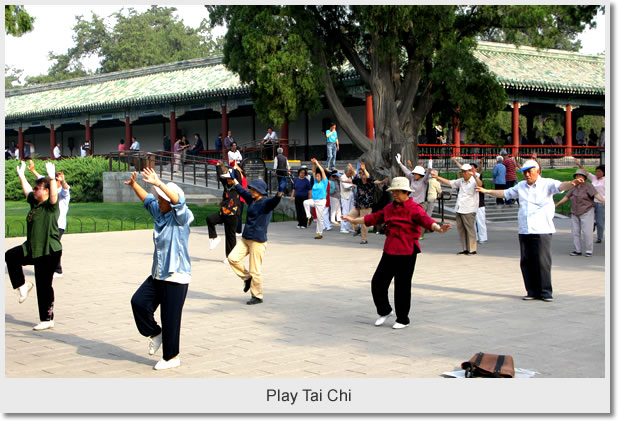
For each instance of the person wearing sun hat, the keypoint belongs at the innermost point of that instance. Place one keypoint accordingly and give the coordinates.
(404, 219)
(582, 200)
(466, 206)
(253, 241)
(536, 226)
(169, 279)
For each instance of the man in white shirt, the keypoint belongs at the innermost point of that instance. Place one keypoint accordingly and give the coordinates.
(536, 226)
(57, 154)
(466, 206)
(270, 138)
(135, 146)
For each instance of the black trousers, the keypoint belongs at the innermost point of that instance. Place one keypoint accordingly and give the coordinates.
(229, 224)
(241, 208)
(59, 267)
(44, 267)
(171, 296)
(300, 210)
(499, 200)
(402, 269)
(535, 264)
(510, 184)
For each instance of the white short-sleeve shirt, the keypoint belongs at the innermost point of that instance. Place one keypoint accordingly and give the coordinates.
(468, 197)
(536, 205)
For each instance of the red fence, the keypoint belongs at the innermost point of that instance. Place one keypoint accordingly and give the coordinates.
(491, 151)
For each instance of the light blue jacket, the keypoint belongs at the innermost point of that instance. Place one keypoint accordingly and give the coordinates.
(170, 237)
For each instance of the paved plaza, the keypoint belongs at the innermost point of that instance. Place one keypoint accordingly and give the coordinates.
(317, 316)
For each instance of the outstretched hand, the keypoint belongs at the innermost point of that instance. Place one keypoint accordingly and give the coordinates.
(21, 169)
(444, 228)
(132, 180)
(150, 176)
(481, 190)
(398, 158)
(31, 165)
(577, 181)
(51, 170)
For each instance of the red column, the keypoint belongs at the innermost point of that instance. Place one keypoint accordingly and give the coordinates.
(89, 138)
(369, 115)
(568, 131)
(52, 141)
(456, 137)
(284, 141)
(515, 127)
(20, 143)
(224, 129)
(173, 128)
(127, 133)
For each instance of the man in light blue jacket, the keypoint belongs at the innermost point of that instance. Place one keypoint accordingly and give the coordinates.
(169, 280)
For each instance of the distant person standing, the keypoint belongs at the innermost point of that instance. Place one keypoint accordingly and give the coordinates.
(83, 149)
(169, 279)
(234, 155)
(499, 177)
(536, 225)
(218, 142)
(598, 181)
(301, 191)
(332, 146)
(317, 198)
(57, 153)
(227, 142)
(347, 196)
(121, 145)
(580, 137)
(135, 146)
(281, 166)
(511, 172)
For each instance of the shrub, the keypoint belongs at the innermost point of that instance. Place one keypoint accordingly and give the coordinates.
(84, 175)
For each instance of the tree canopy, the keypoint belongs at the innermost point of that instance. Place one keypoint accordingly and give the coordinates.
(413, 59)
(17, 21)
(130, 40)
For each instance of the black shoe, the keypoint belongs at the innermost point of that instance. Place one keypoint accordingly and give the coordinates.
(599, 241)
(547, 299)
(466, 252)
(254, 300)
(472, 252)
(357, 233)
(529, 297)
(575, 253)
(247, 285)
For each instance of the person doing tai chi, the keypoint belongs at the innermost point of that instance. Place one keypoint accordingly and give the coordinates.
(404, 219)
(170, 275)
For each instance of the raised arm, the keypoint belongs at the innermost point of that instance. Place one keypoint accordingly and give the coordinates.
(567, 185)
(151, 177)
(405, 169)
(139, 190)
(316, 163)
(32, 169)
(364, 168)
(459, 164)
(53, 187)
(495, 193)
(579, 164)
(26, 187)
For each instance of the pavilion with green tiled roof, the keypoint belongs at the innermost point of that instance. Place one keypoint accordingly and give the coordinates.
(535, 80)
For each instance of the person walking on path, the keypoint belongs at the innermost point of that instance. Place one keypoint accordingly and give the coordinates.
(281, 166)
(363, 200)
(170, 276)
(254, 240)
(511, 172)
(582, 198)
(332, 146)
(404, 219)
(536, 226)
(64, 197)
(499, 177)
(466, 206)
(301, 191)
(347, 197)
(598, 181)
(227, 214)
(42, 247)
(318, 198)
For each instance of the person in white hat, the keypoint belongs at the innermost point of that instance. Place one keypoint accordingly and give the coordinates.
(169, 279)
(404, 219)
(479, 219)
(536, 225)
(418, 180)
(582, 200)
(466, 206)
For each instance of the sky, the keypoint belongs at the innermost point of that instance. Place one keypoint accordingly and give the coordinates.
(54, 23)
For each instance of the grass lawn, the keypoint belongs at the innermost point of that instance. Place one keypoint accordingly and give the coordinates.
(100, 217)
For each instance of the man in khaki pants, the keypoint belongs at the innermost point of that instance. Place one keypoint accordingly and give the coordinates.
(253, 241)
(466, 206)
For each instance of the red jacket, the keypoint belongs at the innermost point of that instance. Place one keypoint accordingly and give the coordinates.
(403, 226)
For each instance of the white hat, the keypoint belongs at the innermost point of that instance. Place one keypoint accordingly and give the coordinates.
(170, 186)
(418, 170)
(531, 163)
(466, 167)
(226, 175)
(400, 183)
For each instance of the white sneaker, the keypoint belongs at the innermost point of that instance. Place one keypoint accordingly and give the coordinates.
(328, 229)
(24, 290)
(155, 343)
(239, 234)
(225, 261)
(399, 326)
(164, 365)
(380, 321)
(44, 325)
(344, 231)
(58, 275)
(214, 242)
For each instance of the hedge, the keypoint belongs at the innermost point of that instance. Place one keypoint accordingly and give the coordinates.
(84, 175)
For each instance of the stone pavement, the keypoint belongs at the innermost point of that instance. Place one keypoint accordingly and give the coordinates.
(317, 316)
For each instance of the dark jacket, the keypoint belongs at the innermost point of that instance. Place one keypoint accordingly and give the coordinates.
(258, 215)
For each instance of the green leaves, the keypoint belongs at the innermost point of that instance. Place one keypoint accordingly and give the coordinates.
(17, 21)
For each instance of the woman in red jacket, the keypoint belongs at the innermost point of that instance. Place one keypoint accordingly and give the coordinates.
(404, 219)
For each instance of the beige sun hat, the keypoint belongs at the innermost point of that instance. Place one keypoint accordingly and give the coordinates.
(400, 183)
(170, 186)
